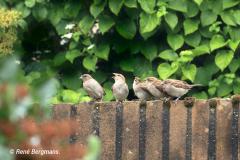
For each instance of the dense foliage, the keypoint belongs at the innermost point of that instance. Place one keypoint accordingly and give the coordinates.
(193, 40)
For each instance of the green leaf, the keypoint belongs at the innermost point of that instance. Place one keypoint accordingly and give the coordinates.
(142, 68)
(126, 28)
(224, 90)
(147, 6)
(40, 13)
(228, 18)
(229, 3)
(193, 39)
(149, 50)
(223, 58)
(165, 70)
(71, 81)
(190, 26)
(200, 50)
(216, 42)
(86, 24)
(72, 54)
(130, 3)
(186, 56)
(168, 55)
(200, 95)
(192, 9)
(233, 44)
(200, 79)
(179, 5)
(55, 15)
(105, 23)
(235, 34)
(70, 96)
(148, 22)
(30, 3)
(236, 84)
(171, 19)
(90, 62)
(59, 59)
(102, 51)
(115, 6)
(96, 9)
(127, 64)
(234, 65)
(175, 41)
(208, 17)
(198, 2)
(236, 15)
(23, 9)
(189, 71)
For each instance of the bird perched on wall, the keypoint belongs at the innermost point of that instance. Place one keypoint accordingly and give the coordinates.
(92, 87)
(140, 89)
(120, 88)
(154, 86)
(177, 88)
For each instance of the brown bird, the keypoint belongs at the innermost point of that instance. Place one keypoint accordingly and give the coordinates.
(120, 88)
(177, 88)
(140, 89)
(154, 86)
(92, 87)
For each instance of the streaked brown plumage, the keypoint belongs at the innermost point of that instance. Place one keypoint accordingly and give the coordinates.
(140, 89)
(154, 86)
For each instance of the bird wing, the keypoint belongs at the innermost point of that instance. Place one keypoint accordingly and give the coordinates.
(177, 83)
(143, 86)
(94, 88)
(158, 84)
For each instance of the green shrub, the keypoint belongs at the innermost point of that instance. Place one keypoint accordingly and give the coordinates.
(193, 40)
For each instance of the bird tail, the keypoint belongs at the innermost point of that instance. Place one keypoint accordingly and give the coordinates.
(196, 85)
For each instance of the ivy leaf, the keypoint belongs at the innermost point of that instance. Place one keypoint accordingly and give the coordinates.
(228, 18)
(234, 65)
(175, 41)
(192, 9)
(190, 26)
(216, 42)
(193, 39)
(165, 70)
(126, 28)
(30, 3)
(171, 19)
(102, 51)
(90, 62)
(142, 68)
(127, 64)
(168, 55)
(147, 6)
(224, 90)
(72, 54)
(233, 44)
(40, 13)
(207, 17)
(236, 84)
(179, 5)
(229, 3)
(186, 56)
(105, 23)
(149, 50)
(198, 2)
(115, 6)
(130, 3)
(86, 24)
(200, 95)
(223, 58)
(189, 71)
(200, 50)
(96, 9)
(148, 22)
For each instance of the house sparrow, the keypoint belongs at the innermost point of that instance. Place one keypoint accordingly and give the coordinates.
(176, 88)
(120, 88)
(92, 87)
(140, 89)
(154, 86)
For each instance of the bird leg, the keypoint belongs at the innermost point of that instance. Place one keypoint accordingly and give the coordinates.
(175, 101)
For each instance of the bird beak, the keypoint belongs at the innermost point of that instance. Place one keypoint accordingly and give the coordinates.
(80, 77)
(113, 77)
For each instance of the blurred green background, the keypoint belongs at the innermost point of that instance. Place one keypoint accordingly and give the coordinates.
(192, 40)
